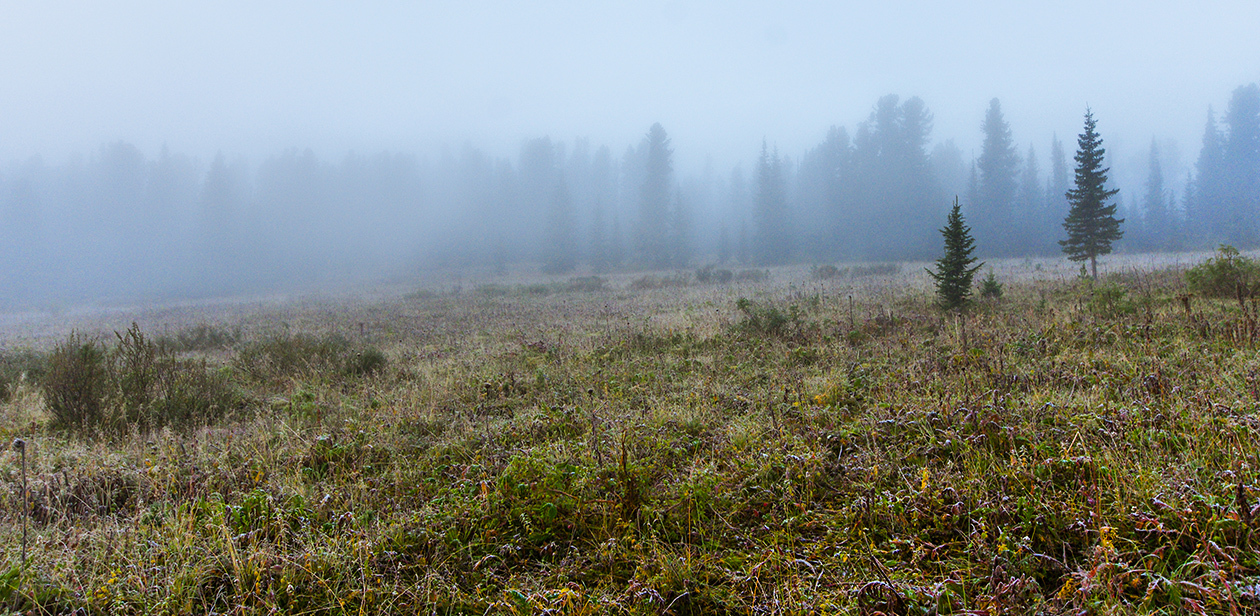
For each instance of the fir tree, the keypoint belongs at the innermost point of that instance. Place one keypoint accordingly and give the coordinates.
(654, 199)
(998, 167)
(1091, 224)
(954, 271)
(560, 253)
(770, 209)
(1156, 203)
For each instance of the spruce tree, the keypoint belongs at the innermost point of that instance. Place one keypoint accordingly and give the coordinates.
(1091, 224)
(954, 271)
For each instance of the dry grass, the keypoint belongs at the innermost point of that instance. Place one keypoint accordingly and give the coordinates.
(1071, 449)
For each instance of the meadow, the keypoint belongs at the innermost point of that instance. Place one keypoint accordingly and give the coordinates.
(786, 441)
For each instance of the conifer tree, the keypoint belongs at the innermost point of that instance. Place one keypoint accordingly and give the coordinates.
(1091, 224)
(954, 271)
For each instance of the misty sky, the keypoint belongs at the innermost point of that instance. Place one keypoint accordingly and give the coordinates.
(254, 77)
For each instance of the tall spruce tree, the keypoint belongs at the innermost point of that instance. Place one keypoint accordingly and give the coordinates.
(770, 209)
(998, 184)
(560, 252)
(954, 270)
(654, 193)
(1091, 224)
(1156, 204)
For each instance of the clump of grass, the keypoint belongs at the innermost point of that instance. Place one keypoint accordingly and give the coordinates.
(281, 357)
(201, 337)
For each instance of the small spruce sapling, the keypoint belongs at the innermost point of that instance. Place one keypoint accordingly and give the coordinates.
(954, 271)
(990, 288)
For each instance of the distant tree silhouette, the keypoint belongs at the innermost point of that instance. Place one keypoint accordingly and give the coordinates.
(770, 209)
(654, 200)
(1156, 205)
(1091, 224)
(1241, 173)
(998, 167)
(560, 251)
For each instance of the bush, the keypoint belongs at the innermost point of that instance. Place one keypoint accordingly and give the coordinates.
(74, 387)
(765, 319)
(826, 272)
(708, 274)
(1228, 274)
(151, 388)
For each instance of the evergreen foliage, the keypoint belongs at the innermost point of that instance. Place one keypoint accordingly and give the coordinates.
(560, 252)
(990, 288)
(954, 270)
(1091, 224)
(770, 209)
(997, 189)
(654, 193)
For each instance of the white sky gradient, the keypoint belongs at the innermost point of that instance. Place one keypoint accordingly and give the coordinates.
(254, 78)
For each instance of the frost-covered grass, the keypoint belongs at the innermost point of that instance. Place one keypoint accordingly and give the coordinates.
(833, 445)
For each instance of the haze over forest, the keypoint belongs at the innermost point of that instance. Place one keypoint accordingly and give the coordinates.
(152, 150)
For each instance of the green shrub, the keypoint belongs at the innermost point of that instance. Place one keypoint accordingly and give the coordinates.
(1228, 274)
(75, 385)
(765, 319)
(1111, 300)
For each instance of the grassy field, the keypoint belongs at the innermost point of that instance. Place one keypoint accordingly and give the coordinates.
(652, 445)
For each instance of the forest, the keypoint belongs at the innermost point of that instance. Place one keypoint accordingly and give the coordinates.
(118, 224)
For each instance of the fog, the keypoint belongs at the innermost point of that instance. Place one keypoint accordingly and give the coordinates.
(151, 151)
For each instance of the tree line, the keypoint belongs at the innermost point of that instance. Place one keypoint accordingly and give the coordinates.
(119, 223)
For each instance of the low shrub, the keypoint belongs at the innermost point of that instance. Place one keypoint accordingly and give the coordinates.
(1228, 274)
(766, 319)
(75, 384)
(826, 272)
(708, 274)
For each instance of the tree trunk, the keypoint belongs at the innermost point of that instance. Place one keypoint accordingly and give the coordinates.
(1093, 266)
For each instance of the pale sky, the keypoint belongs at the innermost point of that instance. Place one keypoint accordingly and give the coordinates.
(254, 78)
